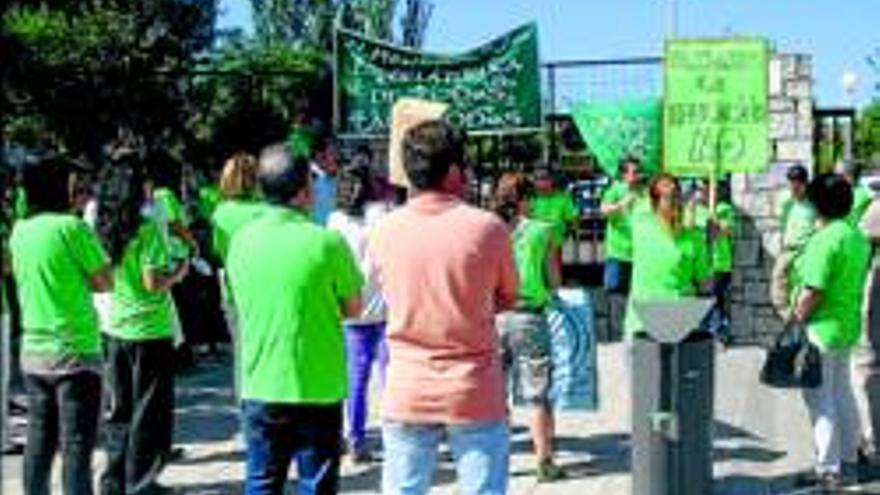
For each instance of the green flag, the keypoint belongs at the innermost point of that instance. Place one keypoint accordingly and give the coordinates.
(615, 130)
(715, 107)
(493, 88)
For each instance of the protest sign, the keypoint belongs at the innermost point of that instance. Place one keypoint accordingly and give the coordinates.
(716, 107)
(493, 88)
(615, 130)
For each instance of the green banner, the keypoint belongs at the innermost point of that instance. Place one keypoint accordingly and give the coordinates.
(493, 88)
(715, 107)
(615, 130)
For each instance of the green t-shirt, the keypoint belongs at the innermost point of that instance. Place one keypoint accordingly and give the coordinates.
(138, 314)
(862, 197)
(21, 203)
(666, 266)
(209, 200)
(722, 249)
(532, 241)
(168, 210)
(53, 258)
(288, 278)
(558, 209)
(798, 221)
(228, 218)
(618, 231)
(835, 263)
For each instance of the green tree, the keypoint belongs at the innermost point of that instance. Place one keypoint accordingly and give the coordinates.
(867, 145)
(92, 71)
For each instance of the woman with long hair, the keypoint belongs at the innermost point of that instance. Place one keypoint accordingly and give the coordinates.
(140, 379)
(240, 205)
(670, 259)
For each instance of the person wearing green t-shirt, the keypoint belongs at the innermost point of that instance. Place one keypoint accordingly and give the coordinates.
(139, 339)
(238, 186)
(619, 202)
(622, 200)
(58, 263)
(797, 220)
(827, 302)
(718, 227)
(670, 260)
(525, 335)
(553, 205)
(292, 282)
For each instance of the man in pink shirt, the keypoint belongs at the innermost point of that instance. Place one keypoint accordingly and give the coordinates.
(445, 269)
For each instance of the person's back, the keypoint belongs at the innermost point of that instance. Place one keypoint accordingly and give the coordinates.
(445, 269)
(57, 262)
(442, 263)
(286, 274)
(292, 283)
(57, 312)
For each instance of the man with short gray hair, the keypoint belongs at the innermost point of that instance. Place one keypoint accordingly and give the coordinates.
(292, 282)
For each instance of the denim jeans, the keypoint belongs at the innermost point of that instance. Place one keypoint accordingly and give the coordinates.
(277, 433)
(365, 344)
(480, 450)
(61, 410)
(140, 416)
(616, 276)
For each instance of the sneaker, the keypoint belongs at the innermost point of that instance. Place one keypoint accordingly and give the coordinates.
(823, 481)
(549, 472)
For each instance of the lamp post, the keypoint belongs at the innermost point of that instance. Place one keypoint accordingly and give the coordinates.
(849, 81)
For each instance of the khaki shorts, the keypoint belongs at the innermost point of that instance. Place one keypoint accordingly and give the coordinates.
(526, 354)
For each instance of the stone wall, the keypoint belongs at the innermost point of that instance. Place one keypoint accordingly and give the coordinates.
(758, 240)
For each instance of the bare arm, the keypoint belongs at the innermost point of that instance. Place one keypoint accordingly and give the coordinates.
(157, 281)
(805, 305)
(611, 209)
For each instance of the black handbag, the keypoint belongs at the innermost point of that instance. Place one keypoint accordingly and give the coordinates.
(793, 361)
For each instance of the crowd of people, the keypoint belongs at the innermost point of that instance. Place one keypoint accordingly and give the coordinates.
(327, 275)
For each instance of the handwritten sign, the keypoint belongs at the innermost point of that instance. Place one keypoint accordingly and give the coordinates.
(716, 107)
(493, 88)
(627, 128)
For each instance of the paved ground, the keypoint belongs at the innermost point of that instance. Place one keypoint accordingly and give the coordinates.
(762, 438)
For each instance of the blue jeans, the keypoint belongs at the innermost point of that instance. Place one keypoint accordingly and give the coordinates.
(617, 275)
(480, 450)
(365, 344)
(277, 433)
(62, 413)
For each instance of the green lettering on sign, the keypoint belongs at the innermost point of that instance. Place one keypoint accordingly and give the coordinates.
(715, 107)
(493, 88)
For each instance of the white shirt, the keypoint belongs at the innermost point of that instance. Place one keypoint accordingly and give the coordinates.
(356, 232)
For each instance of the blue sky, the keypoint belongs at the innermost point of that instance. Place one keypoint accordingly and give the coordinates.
(839, 34)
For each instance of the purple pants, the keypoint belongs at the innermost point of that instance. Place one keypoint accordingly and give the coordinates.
(365, 343)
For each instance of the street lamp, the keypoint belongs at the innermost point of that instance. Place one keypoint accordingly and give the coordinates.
(849, 81)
